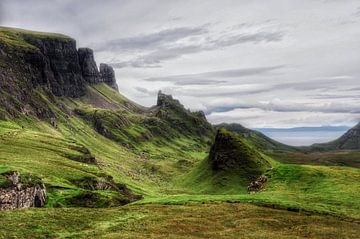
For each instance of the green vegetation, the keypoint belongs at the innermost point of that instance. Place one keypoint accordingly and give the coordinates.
(103, 150)
(14, 37)
(220, 220)
(259, 140)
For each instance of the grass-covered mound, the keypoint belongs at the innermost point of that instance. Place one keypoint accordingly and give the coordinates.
(231, 165)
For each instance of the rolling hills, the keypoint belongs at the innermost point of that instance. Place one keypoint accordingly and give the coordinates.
(63, 121)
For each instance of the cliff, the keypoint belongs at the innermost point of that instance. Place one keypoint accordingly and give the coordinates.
(29, 60)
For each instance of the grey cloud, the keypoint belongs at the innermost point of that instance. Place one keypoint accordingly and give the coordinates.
(222, 76)
(291, 107)
(2, 12)
(150, 41)
(254, 38)
(166, 51)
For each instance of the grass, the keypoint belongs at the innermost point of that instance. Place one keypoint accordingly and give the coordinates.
(15, 37)
(164, 171)
(219, 220)
(168, 168)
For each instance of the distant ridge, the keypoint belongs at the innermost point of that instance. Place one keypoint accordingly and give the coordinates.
(304, 129)
(349, 141)
(258, 139)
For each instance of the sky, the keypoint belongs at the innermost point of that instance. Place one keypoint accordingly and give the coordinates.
(269, 63)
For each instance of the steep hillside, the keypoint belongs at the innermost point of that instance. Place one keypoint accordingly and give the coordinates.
(349, 141)
(63, 120)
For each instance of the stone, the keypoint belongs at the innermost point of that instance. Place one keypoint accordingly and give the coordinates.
(257, 185)
(20, 195)
(108, 75)
(56, 64)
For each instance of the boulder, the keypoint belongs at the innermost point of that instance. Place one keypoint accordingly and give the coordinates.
(22, 194)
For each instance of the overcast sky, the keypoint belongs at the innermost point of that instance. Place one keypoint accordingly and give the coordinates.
(270, 63)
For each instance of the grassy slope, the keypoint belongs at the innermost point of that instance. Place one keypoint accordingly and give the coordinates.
(220, 220)
(36, 147)
(39, 149)
(164, 171)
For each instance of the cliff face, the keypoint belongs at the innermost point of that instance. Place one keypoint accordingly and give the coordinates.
(108, 75)
(57, 64)
(90, 71)
(31, 62)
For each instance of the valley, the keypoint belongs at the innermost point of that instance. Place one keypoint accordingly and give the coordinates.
(114, 168)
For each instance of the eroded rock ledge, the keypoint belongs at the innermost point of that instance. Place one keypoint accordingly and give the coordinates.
(21, 192)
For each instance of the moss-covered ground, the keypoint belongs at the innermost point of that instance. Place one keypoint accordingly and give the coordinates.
(215, 220)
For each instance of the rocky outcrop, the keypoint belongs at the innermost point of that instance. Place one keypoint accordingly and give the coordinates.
(108, 75)
(20, 194)
(170, 109)
(166, 101)
(88, 66)
(35, 66)
(258, 184)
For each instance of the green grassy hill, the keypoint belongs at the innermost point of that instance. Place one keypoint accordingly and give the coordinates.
(93, 147)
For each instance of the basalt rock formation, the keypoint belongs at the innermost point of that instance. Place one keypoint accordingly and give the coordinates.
(90, 71)
(33, 63)
(108, 75)
(87, 62)
(15, 193)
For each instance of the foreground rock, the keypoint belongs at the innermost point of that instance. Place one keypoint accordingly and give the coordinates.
(17, 194)
(257, 185)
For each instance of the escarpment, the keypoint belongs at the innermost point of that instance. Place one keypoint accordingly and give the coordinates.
(33, 64)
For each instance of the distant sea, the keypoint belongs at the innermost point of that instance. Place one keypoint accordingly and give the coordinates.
(304, 136)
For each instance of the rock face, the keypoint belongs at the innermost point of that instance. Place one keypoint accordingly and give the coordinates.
(56, 64)
(19, 195)
(108, 75)
(34, 65)
(165, 101)
(88, 66)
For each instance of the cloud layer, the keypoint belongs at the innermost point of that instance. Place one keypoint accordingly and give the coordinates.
(259, 63)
